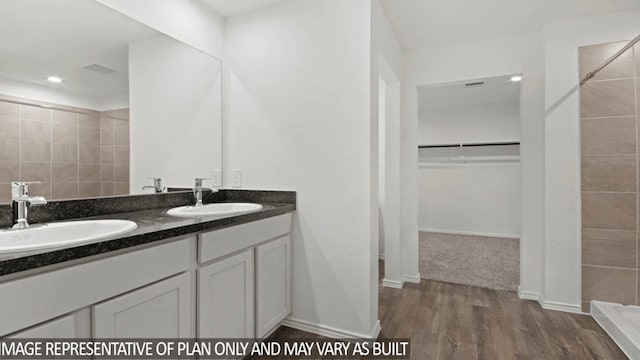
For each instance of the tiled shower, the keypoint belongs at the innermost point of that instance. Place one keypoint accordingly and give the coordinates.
(73, 152)
(610, 190)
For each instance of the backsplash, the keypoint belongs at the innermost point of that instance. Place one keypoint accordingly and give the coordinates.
(74, 152)
(72, 209)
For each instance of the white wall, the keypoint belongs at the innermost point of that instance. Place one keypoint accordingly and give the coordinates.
(562, 136)
(521, 54)
(189, 21)
(297, 116)
(382, 155)
(496, 121)
(175, 114)
(471, 198)
(387, 65)
(532, 165)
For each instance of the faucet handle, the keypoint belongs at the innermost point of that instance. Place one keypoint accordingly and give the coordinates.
(199, 181)
(157, 185)
(21, 188)
(157, 181)
(18, 183)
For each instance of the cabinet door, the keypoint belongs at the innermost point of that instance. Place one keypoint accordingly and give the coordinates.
(160, 310)
(73, 326)
(273, 278)
(226, 298)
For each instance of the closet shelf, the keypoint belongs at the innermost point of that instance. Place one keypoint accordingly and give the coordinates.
(471, 144)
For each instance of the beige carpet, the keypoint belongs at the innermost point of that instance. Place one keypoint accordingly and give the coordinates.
(482, 261)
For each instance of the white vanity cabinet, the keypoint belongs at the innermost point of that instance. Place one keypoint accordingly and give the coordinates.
(226, 297)
(244, 284)
(233, 282)
(38, 300)
(160, 310)
(273, 284)
(72, 326)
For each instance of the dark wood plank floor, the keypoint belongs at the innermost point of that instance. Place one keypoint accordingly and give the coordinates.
(445, 321)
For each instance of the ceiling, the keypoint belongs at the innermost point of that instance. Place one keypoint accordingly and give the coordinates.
(60, 37)
(229, 8)
(421, 24)
(494, 90)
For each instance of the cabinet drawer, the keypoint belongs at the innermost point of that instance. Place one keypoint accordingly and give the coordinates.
(219, 243)
(32, 300)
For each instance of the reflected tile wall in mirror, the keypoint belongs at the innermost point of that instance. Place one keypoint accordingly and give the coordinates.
(73, 152)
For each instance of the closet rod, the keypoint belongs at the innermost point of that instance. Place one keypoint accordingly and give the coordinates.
(468, 145)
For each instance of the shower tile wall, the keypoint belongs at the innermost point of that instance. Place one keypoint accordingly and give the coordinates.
(609, 141)
(62, 147)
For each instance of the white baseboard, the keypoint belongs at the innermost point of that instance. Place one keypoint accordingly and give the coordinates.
(392, 283)
(329, 331)
(411, 278)
(527, 295)
(476, 233)
(549, 305)
(376, 330)
(415, 279)
(560, 306)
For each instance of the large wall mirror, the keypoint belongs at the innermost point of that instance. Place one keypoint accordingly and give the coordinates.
(93, 103)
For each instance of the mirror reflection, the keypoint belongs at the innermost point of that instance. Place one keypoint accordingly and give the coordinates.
(95, 104)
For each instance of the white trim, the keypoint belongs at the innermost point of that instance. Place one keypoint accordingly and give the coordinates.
(476, 233)
(415, 279)
(376, 330)
(381, 256)
(560, 306)
(392, 283)
(273, 330)
(549, 305)
(329, 331)
(527, 295)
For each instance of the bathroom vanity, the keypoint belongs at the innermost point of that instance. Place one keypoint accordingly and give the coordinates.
(209, 277)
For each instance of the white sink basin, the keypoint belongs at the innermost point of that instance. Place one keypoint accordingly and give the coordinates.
(62, 233)
(217, 209)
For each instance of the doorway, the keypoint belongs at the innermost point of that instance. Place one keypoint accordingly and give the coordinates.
(469, 181)
(389, 244)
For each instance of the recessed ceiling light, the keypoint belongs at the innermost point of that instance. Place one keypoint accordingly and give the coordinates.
(516, 78)
(54, 79)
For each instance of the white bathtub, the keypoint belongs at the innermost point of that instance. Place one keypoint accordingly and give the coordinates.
(622, 323)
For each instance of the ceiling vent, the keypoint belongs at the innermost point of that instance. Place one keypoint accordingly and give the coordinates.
(100, 69)
(477, 83)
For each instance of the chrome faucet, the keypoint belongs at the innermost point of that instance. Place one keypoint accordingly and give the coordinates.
(197, 191)
(20, 197)
(157, 185)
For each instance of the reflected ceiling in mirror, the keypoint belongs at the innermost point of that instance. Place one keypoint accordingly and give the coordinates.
(80, 42)
(76, 117)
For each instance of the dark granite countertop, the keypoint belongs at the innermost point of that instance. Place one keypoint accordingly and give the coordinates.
(153, 225)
